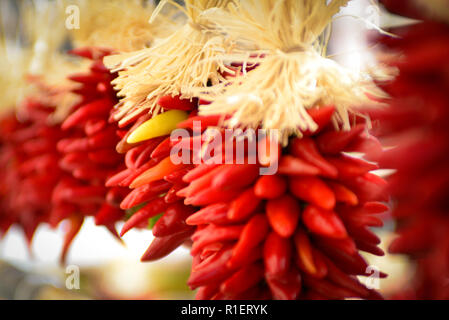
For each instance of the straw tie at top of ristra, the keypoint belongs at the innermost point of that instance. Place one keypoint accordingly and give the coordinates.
(287, 39)
(186, 59)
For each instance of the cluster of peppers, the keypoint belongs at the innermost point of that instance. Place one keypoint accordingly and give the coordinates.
(29, 168)
(416, 123)
(88, 154)
(296, 234)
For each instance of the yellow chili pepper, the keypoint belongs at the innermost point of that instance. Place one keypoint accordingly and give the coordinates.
(158, 126)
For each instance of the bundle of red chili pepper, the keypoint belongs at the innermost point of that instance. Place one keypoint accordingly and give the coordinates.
(28, 166)
(155, 179)
(296, 234)
(88, 153)
(417, 125)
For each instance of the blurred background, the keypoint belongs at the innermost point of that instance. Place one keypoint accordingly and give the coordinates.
(109, 269)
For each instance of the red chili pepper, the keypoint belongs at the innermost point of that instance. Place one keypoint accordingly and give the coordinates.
(160, 247)
(375, 207)
(177, 176)
(286, 287)
(313, 190)
(73, 226)
(103, 139)
(93, 126)
(369, 247)
(212, 234)
(343, 194)
(108, 215)
(362, 233)
(209, 196)
(360, 219)
(202, 183)
(199, 171)
(133, 174)
(153, 208)
(173, 220)
(171, 196)
(243, 280)
(104, 156)
(277, 254)
(333, 142)
(91, 172)
(367, 145)
(293, 166)
(346, 245)
(325, 223)
(339, 277)
(283, 215)
(321, 268)
(270, 187)
(349, 167)
(162, 150)
(73, 145)
(175, 102)
(235, 176)
(98, 108)
(214, 213)
(98, 66)
(369, 187)
(244, 205)
(71, 160)
(206, 122)
(116, 195)
(213, 271)
(328, 290)
(79, 194)
(321, 116)
(306, 149)
(138, 155)
(61, 211)
(207, 292)
(304, 252)
(118, 178)
(147, 150)
(145, 193)
(252, 235)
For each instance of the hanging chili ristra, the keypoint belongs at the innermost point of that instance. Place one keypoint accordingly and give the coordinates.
(417, 124)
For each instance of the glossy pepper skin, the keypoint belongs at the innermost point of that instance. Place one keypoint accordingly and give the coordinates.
(417, 124)
(295, 235)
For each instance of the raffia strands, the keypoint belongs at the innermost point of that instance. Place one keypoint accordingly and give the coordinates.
(293, 73)
(119, 24)
(186, 59)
